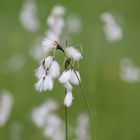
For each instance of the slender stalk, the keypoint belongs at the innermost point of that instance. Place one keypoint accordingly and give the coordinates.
(88, 108)
(86, 101)
(66, 123)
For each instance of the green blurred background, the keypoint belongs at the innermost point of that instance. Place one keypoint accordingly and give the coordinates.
(114, 102)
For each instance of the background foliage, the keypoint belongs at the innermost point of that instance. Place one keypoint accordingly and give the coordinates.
(114, 102)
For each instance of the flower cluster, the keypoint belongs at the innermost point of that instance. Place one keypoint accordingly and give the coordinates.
(70, 76)
(49, 69)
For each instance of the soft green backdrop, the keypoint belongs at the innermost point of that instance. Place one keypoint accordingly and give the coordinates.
(114, 103)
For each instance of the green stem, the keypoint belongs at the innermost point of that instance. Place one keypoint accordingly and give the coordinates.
(66, 123)
(88, 108)
(54, 52)
(87, 104)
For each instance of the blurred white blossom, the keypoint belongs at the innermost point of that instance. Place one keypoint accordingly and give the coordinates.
(111, 28)
(15, 63)
(73, 24)
(6, 104)
(48, 46)
(35, 50)
(16, 129)
(82, 129)
(128, 72)
(39, 114)
(44, 117)
(58, 11)
(28, 16)
(55, 23)
(54, 128)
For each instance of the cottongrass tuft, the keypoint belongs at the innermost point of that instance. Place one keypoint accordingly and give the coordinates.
(73, 53)
(49, 69)
(68, 99)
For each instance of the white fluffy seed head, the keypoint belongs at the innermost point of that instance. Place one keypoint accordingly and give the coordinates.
(39, 85)
(74, 77)
(68, 86)
(48, 45)
(48, 83)
(40, 72)
(65, 77)
(54, 70)
(48, 61)
(68, 99)
(73, 53)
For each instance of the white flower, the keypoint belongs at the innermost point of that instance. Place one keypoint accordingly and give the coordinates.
(6, 105)
(39, 85)
(54, 69)
(48, 61)
(51, 35)
(28, 17)
(65, 76)
(48, 83)
(58, 11)
(68, 99)
(73, 53)
(74, 24)
(58, 27)
(74, 77)
(41, 112)
(39, 73)
(68, 86)
(111, 28)
(56, 24)
(44, 84)
(51, 21)
(48, 45)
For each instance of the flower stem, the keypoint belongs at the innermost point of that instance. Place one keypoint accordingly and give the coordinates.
(66, 123)
(87, 104)
(88, 108)
(54, 52)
